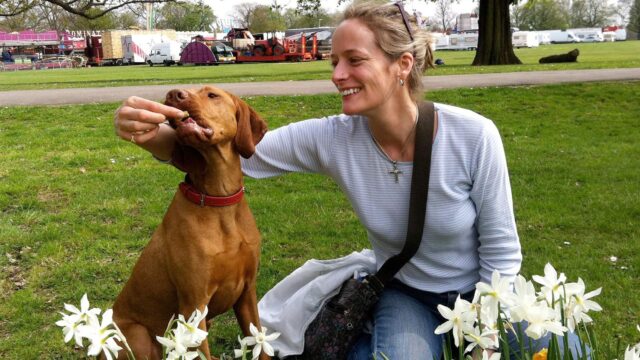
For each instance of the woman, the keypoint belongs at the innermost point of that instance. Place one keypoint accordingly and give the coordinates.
(378, 58)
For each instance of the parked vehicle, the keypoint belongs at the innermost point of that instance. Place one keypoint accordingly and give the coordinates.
(588, 34)
(543, 38)
(223, 52)
(562, 36)
(249, 49)
(528, 39)
(166, 53)
(463, 41)
(608, 36)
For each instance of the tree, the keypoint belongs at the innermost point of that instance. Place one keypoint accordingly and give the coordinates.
(90, 9)
(494, 34)
(590, 13)
(186, 16)
(264, 19)
(444, 13)
(634, 18)
(540, 15)
(622, 10)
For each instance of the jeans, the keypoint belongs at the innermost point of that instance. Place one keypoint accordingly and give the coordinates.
(404, 321)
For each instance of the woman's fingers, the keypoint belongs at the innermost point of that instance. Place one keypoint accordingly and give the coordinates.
(153, 109)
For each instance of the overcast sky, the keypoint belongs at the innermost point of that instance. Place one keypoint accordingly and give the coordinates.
(224, 8)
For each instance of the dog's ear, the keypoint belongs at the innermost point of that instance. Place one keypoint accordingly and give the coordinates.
(251, 128)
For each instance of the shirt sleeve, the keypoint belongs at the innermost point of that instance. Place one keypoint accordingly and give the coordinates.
(298, 147)
(499, 247)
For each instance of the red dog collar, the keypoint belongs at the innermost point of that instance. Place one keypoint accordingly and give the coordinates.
(198, 198)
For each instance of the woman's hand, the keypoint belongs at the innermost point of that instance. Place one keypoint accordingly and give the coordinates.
(138, 120)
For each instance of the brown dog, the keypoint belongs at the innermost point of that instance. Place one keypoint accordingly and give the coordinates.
(206, 250)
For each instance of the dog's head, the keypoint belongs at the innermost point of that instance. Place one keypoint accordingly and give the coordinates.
(215, 117)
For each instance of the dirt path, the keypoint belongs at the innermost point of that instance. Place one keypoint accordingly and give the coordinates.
(103, 95)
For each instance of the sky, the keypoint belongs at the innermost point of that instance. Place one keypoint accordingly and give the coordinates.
(224, 8)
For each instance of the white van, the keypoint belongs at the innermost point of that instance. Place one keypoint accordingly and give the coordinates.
(561, 36)
(166, 53)
(526, 39)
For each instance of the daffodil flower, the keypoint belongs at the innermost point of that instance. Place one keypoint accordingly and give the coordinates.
(193, 336)
(484, 340)
(260, 341)
(524, 298)
(459, 320)
(631, 354)
(579, 304)
(102, 336)
(542, 320)
(238, 353)
(71, 328)
(493, 356)
(551, 283)
(491, 296)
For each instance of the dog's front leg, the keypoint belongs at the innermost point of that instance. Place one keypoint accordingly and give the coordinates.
(246, 310)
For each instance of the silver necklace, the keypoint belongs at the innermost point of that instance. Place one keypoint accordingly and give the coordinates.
(395, 171)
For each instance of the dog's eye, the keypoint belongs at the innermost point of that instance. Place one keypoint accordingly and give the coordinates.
(213, 95)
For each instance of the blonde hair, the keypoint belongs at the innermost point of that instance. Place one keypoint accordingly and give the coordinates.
(385, 21)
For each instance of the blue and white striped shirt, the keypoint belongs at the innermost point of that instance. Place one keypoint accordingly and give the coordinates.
(470, 228)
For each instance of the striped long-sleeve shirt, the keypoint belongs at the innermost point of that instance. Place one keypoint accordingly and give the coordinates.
(470, 228)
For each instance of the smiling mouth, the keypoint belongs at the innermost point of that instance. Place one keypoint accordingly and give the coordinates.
(348, 92)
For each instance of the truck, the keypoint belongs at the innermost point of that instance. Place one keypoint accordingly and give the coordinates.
(247, 48)
(562, 36)
(166, 53)
(528, 39)
(107, 48)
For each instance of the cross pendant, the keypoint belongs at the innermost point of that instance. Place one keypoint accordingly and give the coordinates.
(395, 170)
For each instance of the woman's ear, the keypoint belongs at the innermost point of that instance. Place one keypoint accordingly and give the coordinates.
(405, 63)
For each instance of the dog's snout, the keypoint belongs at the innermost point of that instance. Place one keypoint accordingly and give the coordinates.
(177, 96)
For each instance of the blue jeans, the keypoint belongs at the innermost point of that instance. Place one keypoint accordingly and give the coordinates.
(404, 322)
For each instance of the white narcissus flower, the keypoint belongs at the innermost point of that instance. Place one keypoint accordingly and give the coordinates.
(486, 339)
(72, 323)
(499, 292)
(631, 354)
(237, 353)
(193, 336)
(524, 298)
(102, 336)
(551, 283)
(71, 327)
(542, 319)
(493, 356)
(260, 341)
(579, 304)
(459, 320)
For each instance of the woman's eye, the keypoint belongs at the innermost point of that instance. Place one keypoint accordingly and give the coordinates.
(212, 95)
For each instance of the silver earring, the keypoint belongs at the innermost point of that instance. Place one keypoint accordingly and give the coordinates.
(401, 82)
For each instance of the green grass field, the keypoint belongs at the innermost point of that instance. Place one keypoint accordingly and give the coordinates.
(622, 54)
(78, 204)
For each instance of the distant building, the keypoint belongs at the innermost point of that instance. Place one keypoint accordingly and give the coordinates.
(467, 23)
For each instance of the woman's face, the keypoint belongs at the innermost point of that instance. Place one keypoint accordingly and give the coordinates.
(364, 76)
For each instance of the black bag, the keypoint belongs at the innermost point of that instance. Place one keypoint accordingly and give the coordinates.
(334, 331)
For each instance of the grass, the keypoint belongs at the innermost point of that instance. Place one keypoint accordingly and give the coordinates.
(78, 205)
(622, 54)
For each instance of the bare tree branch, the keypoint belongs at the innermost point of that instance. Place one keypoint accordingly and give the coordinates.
(90, 9)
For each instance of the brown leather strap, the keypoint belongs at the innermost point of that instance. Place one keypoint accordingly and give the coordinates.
(419, 192)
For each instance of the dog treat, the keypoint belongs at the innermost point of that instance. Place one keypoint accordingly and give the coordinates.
(173, 121)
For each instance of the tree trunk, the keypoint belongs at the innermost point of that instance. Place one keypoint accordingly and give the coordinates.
(494, 34)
